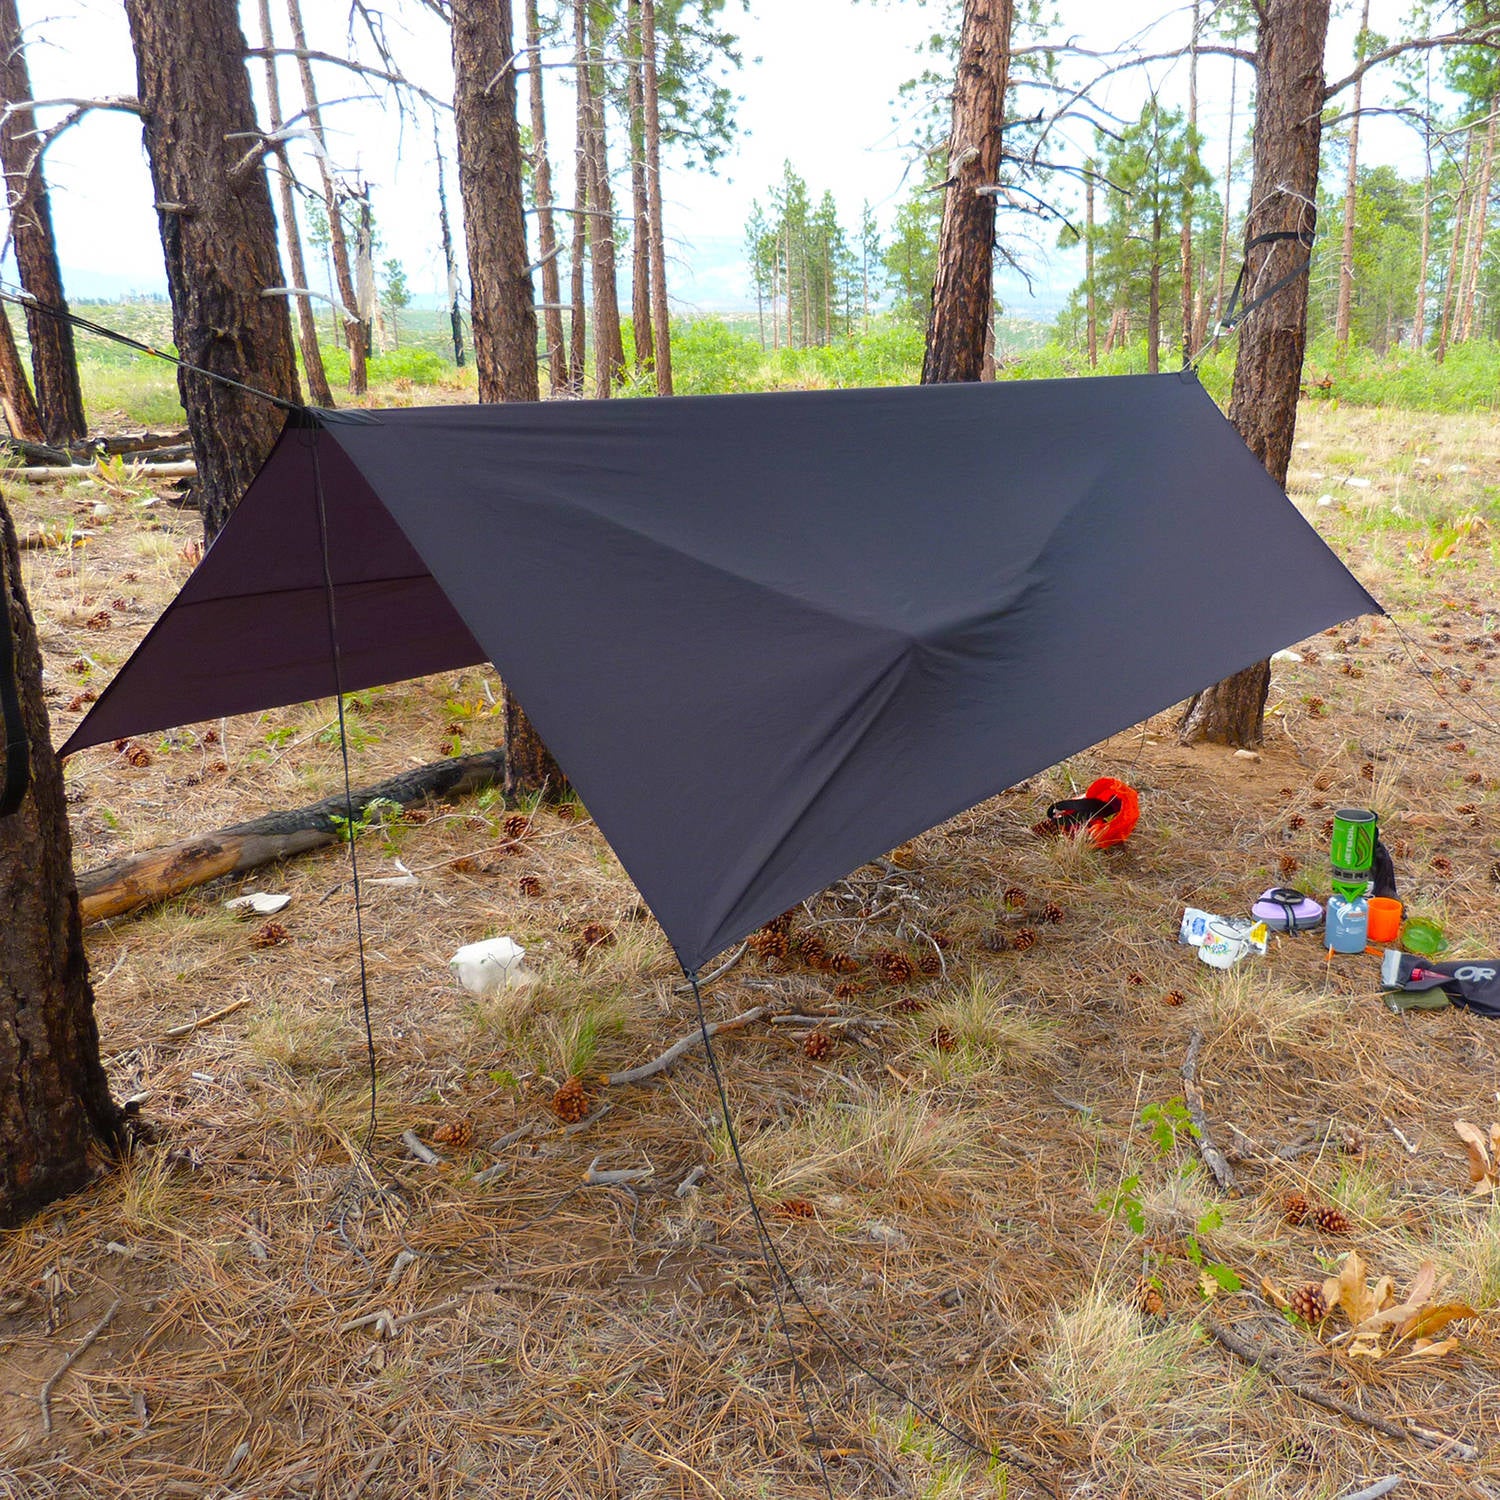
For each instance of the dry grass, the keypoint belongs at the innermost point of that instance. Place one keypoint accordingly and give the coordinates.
(300, 1319)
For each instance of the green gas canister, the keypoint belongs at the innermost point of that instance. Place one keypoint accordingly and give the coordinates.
(1351, 851)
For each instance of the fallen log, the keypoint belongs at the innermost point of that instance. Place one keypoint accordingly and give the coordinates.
(38, 474)
(127, 442)
(34, 453)
(125, 885)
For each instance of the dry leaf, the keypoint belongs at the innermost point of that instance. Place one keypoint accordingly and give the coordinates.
(1365, 1346)
(1433, 1319)
(1391, 1313)
(1427, 1349)
(1482, 1178)
(1273, 1294)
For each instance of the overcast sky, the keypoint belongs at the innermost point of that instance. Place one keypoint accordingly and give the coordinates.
(819, 87)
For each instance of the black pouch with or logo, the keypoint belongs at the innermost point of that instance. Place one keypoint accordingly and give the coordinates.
(1471, 982)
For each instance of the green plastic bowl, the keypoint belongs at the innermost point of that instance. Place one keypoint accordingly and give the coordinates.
(1423, 935)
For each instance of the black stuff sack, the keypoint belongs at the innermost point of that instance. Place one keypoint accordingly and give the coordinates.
(1473, 982)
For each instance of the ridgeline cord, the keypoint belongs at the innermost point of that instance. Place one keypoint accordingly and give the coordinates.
(24, 299)
(336, 659)
(775, 1264)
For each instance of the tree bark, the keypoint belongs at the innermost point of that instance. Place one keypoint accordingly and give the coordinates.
(578, 318)
(126, 885)
(307, 327)
(661, 326)
(1091, 305)
(1419, 317)
(962, 290)
(609, 348)
(1268, 363)
(1474, 258)
(640, 240)
(16, 400)
(1455, 252)
(504, 314)
(356, 335)
(218, 233)
(1351, 200)
(1185, 241)
(546, 224)
(1234, 78)
(56, 1115)
(54, 365)
(490, 181)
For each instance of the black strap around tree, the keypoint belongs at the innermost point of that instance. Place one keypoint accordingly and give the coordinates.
(17, 774)
(1303, 237)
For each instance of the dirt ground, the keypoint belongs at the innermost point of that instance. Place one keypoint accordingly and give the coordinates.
(982, 1179)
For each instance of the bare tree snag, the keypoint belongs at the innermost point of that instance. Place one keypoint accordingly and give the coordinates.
(138, 880)
(963, 290)
(56, 1115)
(1273, 339)
(356, 336)
(450, 261)
(1185, 244)
(54, 365)
(1474, 254)
(651, 90)
(546, 224)
(218, 232)
(577, 327)
(307, 327)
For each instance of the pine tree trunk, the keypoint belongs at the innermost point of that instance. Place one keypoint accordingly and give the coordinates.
(1351, 201)
(450, 261)
(1228, 191)
(546, 223)
(963, 290)
(356, 336)
(578, 329)
(640, 240)
(15, 390)
(1455, 251)
(1091, 305)
(56, 1115)
(504, 314)
(218, 232)
(59, 397)
(661, 324)
(609, 347)
(1185, 241)
(1268, 362)
(307, 327)
(1419, 317)
(1153, 303)
(1474, 259)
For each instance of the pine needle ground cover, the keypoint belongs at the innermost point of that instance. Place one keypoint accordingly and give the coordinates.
(972, 1148)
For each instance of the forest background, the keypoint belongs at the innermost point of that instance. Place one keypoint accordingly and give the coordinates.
(801, 240)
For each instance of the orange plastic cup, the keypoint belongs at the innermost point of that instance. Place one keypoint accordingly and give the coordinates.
(1385, 920)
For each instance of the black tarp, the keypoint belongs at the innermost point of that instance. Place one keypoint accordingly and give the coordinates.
(768, 637)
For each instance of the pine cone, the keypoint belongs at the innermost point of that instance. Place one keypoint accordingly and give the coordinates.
(1148, 1299)
(1323, 781)
(847, 989)
(1440, 862)
(944, 940)
(1051, 914)
(943, 1039)
(1309, 1303)
(529, 885)
(796, 1208)
(1327, 828)
(1135, 978)
(812, 950)
(1298, 1450)
(571, 1102)
(456, 1134)
(517, 826)
(843, 962)
(1174, 997)
(1367, 771)
(1294, 1208)
(783, 923)
(1351, 1141)
(769, 943)
(910, 1005)
(1288, 865)
(818, 1045)
(1014, 898)
(272, 935)
(1023, 939)
(1464, 809)
(1330, 1219)
(137, 755)
(995, 941)
(930, 962)
(1047, 829)
(1473, 778)
(568, 812)
(1295, 822)
(893, 966)
(595, 936)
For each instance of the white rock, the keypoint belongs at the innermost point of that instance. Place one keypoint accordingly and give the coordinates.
(1325, 500)
(1287, 655)
(260, 903)
(1357, 484)
(1247, 754)
(491, 966)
